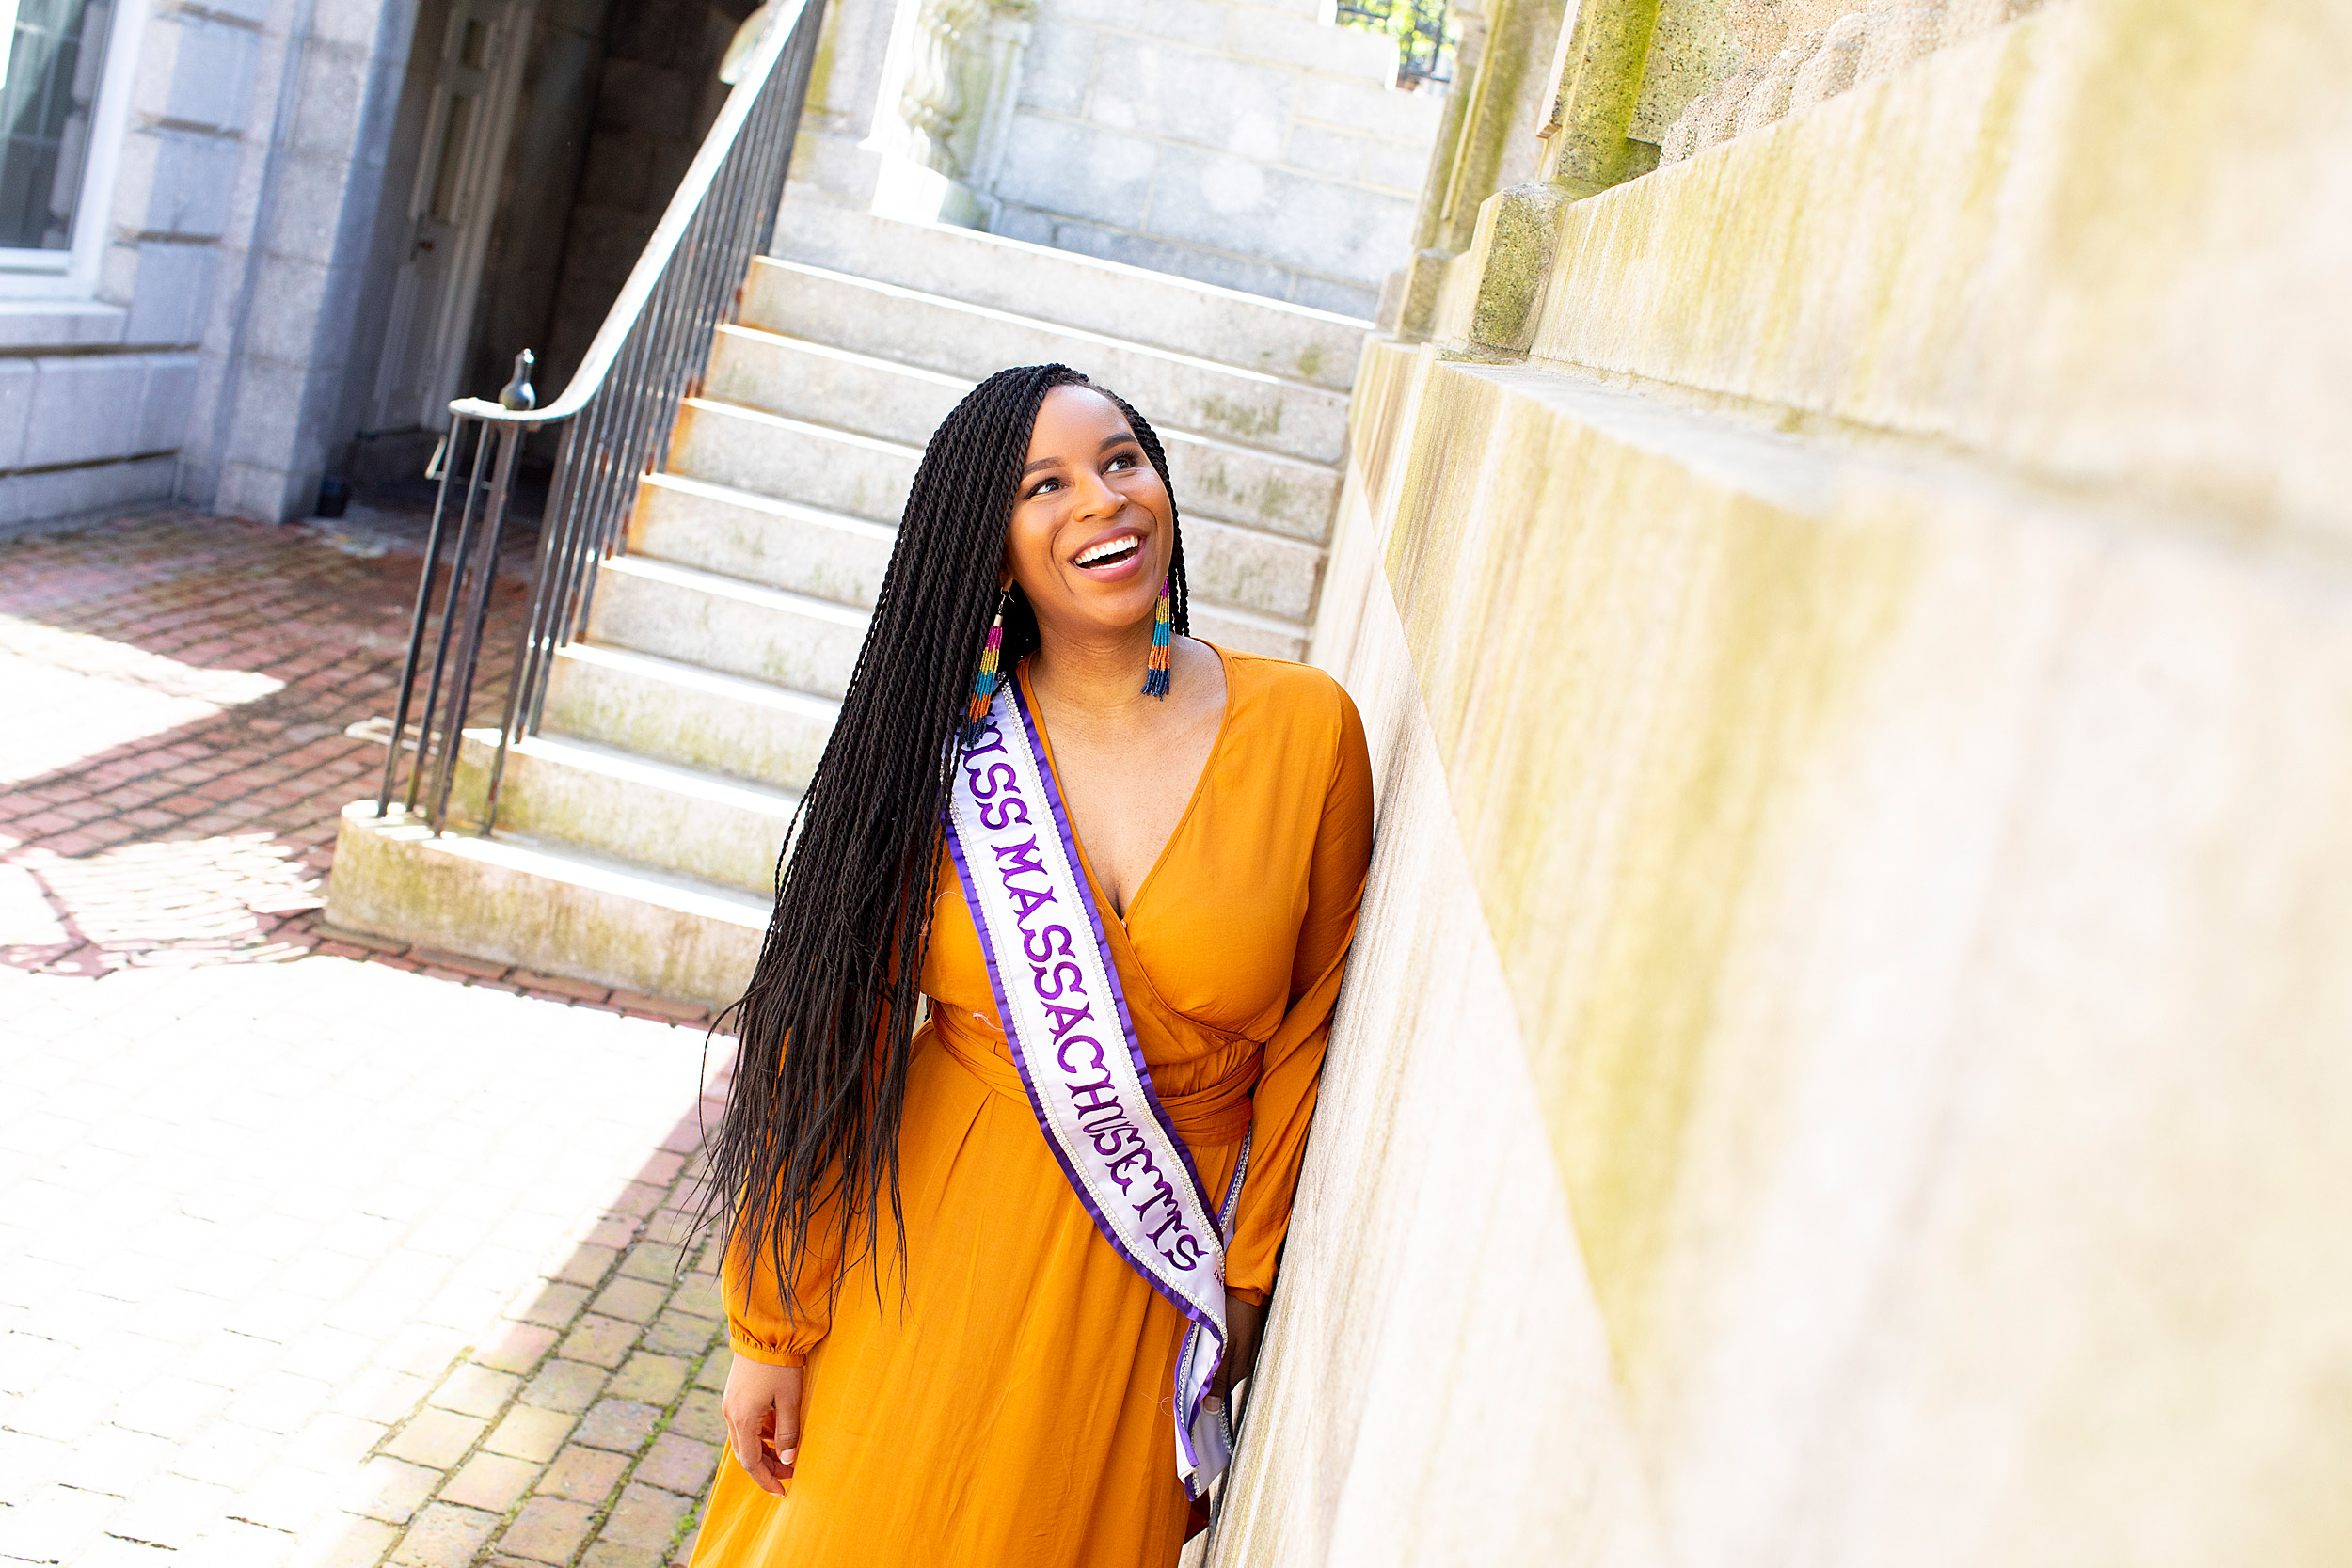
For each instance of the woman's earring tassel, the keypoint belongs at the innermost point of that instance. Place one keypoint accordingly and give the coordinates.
(984, 684)
(1156, 667)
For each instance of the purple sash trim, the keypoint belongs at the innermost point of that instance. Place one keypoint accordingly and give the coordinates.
(1101, 1115)
(1102, 940)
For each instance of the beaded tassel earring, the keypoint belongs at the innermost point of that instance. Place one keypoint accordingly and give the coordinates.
(984, 684)
(1156, 666)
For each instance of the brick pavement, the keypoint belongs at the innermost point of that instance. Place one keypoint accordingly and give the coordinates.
(312, 1250)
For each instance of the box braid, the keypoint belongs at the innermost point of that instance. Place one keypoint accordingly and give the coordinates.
(809, 1144)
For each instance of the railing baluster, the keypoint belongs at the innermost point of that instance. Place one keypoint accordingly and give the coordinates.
(485, 572)
(618, 417)
(416, 633)
(449, 602)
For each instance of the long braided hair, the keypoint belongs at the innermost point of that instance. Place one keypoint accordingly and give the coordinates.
(809, 1146)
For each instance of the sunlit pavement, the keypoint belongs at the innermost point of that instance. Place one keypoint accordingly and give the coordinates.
(310, 1251)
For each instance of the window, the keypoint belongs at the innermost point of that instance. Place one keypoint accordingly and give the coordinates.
(53, 56)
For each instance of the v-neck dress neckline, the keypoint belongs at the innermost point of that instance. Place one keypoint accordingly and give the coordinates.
(1192, 801)
(1005, 1298)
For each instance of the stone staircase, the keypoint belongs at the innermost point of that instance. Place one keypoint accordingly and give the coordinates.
(638, 832)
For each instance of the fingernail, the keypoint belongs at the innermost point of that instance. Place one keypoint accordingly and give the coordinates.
(789, 1455)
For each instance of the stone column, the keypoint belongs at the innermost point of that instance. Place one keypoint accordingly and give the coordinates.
(1502, 96)
(1597, 72)
(274, 351)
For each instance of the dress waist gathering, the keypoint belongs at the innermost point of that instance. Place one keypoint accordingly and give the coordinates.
(1214, 1117)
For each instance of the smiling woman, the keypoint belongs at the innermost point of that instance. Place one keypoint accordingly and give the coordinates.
(990, 1280)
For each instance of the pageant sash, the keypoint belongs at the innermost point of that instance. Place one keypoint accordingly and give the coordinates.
(1067, 1023)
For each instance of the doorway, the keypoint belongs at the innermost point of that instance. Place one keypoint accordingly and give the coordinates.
(452, 205)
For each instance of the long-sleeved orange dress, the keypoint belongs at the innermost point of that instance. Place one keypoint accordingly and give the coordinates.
(1002, 1395)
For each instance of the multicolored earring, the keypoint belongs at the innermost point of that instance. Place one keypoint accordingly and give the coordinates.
(1156, 666)
(984, 684)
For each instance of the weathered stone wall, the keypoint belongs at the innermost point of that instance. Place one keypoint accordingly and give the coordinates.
(1845, 1058)
(657, 94)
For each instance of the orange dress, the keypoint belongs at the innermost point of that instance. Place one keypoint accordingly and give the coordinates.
(1001, 1396)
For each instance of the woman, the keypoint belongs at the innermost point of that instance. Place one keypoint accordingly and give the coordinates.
(966, 1257)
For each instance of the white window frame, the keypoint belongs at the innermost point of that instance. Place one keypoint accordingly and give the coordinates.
(73, 272)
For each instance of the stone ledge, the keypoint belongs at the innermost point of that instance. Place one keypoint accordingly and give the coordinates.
(563, 915)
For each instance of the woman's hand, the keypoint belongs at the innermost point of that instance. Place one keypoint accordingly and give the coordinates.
(1244, 1323)
(762, 1408)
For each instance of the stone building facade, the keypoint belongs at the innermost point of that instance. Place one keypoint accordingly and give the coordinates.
(1843, 569)
(1250, 144)
(257, 243)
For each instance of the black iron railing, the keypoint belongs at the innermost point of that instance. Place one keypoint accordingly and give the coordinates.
(1424, 50)
(615, 418)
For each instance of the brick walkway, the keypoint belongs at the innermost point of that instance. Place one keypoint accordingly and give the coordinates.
(310, 1252)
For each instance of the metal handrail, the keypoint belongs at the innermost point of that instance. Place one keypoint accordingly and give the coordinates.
(617, 415)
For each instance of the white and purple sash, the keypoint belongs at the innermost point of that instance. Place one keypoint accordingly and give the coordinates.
(1067, 1023)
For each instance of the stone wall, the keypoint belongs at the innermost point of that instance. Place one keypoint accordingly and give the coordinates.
(1844, 1057)
(314, 137)
(655, 100)
(1253, 146)
(208, 116)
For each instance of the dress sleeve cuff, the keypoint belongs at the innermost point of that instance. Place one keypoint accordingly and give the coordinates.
(1255, 1298)
(751, 1350)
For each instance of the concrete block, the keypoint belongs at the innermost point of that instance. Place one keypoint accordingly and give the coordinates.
(619, 169)
(1398, 166)
(1152, 253)
(212, 72)
(263, 492)
(290, 297)
(164, 402)
(824, 555)
(658, 815)
(726, 624)
(191, 180)
(1056, 66)
(638, 96)
(1027, 224)
(1398, 169)
(1251, 570)
(315, 189)
(829, 168)
(63, 492)
(1100, 296)
(17, 380)
(84, 409)
(1080, 169)
(1185, 95)
(59, 323)
(746, 449)
(805, 376)
(246, 10)
(363, 25)
(334, 101)
(1287, 219)
(1255, 489)
(1308, 43)
(170, 291)
(657, 707)
(1200, 23)
(1213, 623)
(1327, 154)
(890, 327)
(1325, 294)
(266, 421)
(1400, 116)
(556, 912)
